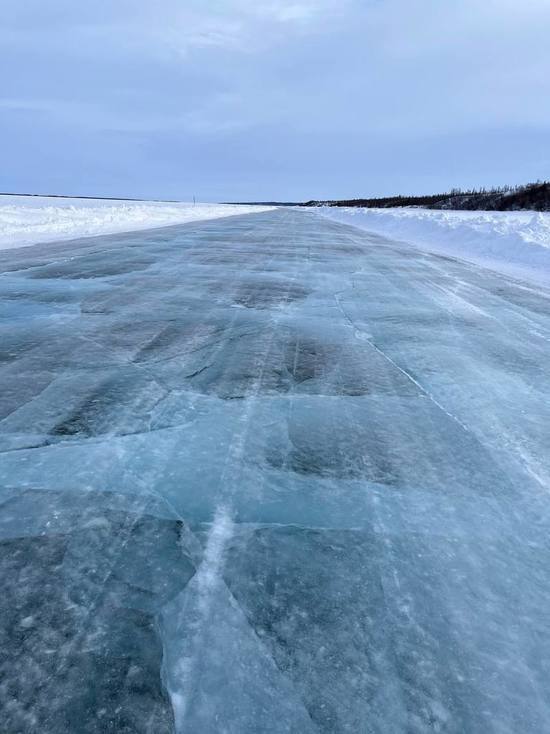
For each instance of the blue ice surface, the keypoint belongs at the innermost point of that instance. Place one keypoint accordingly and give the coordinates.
(271, 474)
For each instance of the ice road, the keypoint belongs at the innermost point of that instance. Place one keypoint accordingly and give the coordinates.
(271, 474)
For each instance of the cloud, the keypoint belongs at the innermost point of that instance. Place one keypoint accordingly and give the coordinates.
(238, 25)
(287, 71)
(399, 65)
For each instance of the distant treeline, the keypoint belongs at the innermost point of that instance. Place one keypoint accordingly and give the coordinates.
(534, 196)
(266, 203)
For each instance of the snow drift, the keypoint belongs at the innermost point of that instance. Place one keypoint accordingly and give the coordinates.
(513, 243)
(27, 220)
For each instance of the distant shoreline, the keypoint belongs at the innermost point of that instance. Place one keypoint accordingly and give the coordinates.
(529, 197)
(100, 198)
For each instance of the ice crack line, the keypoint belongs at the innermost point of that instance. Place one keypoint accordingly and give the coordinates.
(423, 390)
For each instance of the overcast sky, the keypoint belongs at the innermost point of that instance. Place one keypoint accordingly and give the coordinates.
(257, 99)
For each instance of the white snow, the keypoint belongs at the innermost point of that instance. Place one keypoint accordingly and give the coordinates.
(513, 243)
(27, 220)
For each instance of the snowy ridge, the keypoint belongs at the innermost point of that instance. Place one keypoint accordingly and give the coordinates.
(28, 220)
(513, 243)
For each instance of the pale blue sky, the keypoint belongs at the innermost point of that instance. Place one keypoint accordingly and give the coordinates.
(234, 99)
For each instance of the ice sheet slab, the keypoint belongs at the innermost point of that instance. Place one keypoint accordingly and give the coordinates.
(83, 579)
(271, 474)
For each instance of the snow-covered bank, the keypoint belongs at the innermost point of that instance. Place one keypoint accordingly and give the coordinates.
(513, 243)
(27, 220)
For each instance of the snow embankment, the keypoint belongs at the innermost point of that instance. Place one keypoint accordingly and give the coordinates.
(513, 243)
(27, 220)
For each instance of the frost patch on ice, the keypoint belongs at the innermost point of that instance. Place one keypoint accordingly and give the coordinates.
(209, 572)
(197, 615)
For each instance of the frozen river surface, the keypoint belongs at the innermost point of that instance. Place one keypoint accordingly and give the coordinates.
(271, 474)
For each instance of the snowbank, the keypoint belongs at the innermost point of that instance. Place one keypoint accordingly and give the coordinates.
(27, 220)
(513, 243)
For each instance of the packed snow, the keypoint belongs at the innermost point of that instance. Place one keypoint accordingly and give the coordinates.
(27, 220)
(513, 243)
